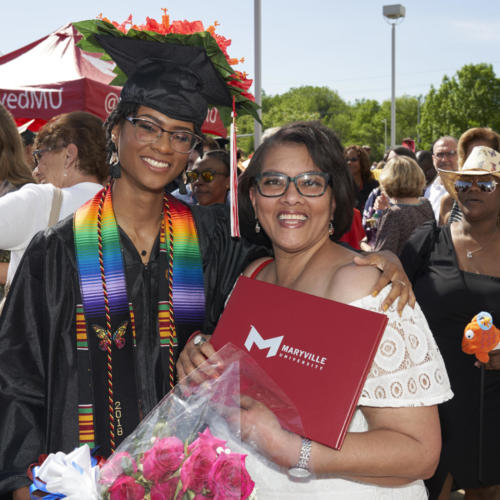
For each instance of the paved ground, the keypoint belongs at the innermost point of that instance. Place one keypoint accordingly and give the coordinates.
(457, 495)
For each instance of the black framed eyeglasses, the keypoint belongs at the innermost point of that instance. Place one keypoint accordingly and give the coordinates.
(274, 184)
(146, 131)
(38, 153)
(207, 175)
(487, 186)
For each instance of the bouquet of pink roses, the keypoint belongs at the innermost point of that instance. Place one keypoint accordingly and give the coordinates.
(175, 452)
(172, 469)
(187, 448)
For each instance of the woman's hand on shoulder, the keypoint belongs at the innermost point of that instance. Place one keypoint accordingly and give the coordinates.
(392, 272)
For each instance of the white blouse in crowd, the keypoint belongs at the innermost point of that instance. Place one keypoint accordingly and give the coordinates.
(26, 211)
(407, 371)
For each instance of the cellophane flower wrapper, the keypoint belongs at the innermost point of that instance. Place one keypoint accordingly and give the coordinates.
(189, 446)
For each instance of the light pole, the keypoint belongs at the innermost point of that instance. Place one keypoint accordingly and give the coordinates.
(385, 134)
(257, 20)
(393, 14)
(419, 100)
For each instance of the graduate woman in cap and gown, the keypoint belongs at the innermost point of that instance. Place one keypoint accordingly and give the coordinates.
(102, 303)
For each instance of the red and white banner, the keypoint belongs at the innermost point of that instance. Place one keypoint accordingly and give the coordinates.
(52, 76)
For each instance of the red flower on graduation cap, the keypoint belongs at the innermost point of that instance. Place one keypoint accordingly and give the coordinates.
(165, 27)
(240, 80)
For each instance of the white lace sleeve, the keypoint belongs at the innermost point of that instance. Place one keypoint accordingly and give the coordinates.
(408, 369)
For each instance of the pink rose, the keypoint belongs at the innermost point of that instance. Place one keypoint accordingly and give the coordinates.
(119, 463)
(166, 490)
(194, 472)
(125, 488)
(163, 459)
(205, 438)
(229, 478)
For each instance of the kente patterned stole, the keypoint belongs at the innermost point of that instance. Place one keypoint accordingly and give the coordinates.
(105, 325)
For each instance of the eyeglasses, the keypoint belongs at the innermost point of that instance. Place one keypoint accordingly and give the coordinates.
(38, 153)
(463, 186)
(274, 184)
(207, 175)
(350, 160)
(181, 141)
(445, 154)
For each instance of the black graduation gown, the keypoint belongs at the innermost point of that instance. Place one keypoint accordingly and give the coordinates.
(38, 355)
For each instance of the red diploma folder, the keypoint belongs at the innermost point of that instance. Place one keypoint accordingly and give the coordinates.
(318, 351)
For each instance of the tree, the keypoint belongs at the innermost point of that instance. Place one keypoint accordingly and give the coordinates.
(470, 98)
(367, 126)
(298, 104)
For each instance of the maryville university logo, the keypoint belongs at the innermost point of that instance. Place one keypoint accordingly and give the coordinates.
(276, 347)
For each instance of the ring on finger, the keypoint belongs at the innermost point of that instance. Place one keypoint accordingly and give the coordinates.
(199, 340)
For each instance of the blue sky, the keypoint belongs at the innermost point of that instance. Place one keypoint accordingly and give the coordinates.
(344, 45)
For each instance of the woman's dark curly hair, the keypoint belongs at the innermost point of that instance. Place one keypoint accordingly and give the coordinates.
(327, 154)
(85, 131)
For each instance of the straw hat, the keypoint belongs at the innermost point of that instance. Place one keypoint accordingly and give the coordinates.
(482, 161)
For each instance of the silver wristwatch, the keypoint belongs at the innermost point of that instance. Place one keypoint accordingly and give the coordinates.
(301, 470)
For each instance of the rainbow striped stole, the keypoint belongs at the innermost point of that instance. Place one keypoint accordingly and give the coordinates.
(97, 256)
(188, 287)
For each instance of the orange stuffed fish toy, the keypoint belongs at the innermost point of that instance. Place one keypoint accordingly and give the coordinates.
(481, 336)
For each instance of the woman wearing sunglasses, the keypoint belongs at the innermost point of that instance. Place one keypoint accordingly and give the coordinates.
(359, 165)
(456, 274)
(209, 177)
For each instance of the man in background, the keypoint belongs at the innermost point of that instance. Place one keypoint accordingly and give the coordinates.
(444, 156)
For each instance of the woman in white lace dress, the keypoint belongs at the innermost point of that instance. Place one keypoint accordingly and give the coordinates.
(298, 188)
(299, 191)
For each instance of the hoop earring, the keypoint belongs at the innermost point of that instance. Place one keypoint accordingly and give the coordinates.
(331, 229)
(115, 170)
(257, 227)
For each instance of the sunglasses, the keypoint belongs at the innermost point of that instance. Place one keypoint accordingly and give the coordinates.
(350, 160)
(38, 153)
(207, 175)
(463, 186)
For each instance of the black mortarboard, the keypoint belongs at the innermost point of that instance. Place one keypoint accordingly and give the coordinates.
(177, 80)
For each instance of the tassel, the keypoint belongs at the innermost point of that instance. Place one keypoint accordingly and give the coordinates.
(235, 225)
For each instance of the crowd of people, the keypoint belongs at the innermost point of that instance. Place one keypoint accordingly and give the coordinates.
(123, 227)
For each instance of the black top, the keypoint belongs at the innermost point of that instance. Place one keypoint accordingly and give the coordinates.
(450, 298)
(363, 193)
(38, 356)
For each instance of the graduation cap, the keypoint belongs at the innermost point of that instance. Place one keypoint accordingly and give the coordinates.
(179, 81)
